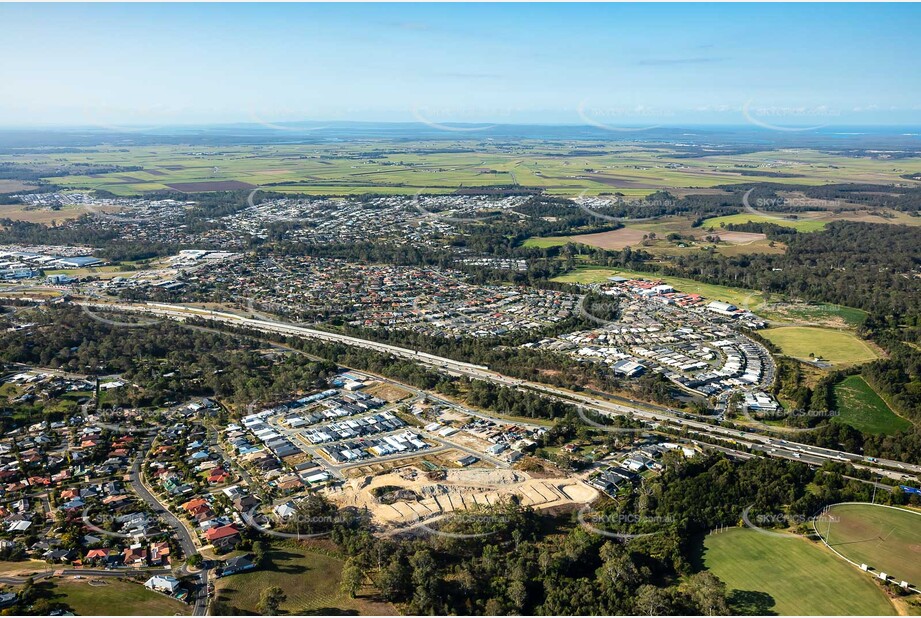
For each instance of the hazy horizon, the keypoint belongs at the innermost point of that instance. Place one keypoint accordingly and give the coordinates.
(617, 66)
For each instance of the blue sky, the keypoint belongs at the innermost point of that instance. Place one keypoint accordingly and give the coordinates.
(619, 65)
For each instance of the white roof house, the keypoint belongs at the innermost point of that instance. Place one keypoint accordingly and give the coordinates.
(285, 510)
(162, 583)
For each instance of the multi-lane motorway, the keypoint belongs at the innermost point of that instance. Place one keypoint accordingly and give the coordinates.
(757, 442)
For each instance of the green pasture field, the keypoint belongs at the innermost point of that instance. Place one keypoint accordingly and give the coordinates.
(862, 408)
(838, 315)
(886, 539)
(772, 575)
(835, 346)
(546, 242)
(802, 225)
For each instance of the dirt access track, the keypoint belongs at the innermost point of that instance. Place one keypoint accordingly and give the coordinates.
(460, 490)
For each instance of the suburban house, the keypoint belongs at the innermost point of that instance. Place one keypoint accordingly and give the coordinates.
(237, 564)
(223, 537)
(162, 583)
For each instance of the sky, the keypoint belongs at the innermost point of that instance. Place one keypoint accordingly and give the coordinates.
(617, 65)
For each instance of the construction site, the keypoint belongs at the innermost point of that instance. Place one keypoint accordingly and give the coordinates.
(408, 495)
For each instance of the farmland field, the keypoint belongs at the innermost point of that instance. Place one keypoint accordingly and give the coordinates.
(863, 409)
(789, 576)
(834, 346)
(12, 186)
(886, 539)
(436, 167)
(309, 579)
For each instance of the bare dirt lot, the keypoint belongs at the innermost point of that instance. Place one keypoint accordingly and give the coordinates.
(447, 416)
(615, 239)
(458, 490)
(388, 392)
(739, 238)
(632, 237)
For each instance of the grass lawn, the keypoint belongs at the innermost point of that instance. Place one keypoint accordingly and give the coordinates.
(770, 575)
(800, 226)
(309, 579)
(834, 346)
(537, 242)
(588, 274)
(110, 596)
(10, 390)
(886, 539)
(22, 567)
(862, 408)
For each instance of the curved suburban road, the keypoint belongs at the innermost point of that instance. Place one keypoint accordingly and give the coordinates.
(185, 536)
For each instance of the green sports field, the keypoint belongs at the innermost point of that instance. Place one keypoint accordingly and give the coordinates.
(886, 539)
(789, 576)
(834, 346)
(862, 408)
